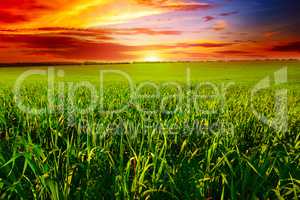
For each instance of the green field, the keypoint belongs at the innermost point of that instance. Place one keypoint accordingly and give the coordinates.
(239, 71)
(186, 131)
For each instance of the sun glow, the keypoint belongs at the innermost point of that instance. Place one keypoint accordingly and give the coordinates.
(152, 58)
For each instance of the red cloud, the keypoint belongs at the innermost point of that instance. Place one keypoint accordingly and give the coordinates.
(22, 5)
(289, 47)
(39, 41)
(8, 17)
(61, 44)
(105, 33)
(66, 47)
(102, 34)
(208, 18)
(17, 11)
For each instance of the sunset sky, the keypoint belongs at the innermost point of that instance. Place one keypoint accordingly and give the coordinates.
(148, 30)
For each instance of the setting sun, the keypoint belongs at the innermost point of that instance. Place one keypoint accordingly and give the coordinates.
(152, 58)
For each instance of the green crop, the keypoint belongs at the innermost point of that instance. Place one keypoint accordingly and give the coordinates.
(148, 151)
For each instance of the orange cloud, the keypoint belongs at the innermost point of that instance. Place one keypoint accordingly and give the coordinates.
(85, 13)
(205, 45)
(176, 5)
(233, 52)
(271, 34)
(220, 25)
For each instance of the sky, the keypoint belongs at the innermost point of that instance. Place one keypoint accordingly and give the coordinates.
(148, 30)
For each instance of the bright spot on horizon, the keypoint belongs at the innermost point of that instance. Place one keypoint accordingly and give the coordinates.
(152, 58)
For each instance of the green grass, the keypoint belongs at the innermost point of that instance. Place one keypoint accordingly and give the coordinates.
(227, 153)
(241, 72)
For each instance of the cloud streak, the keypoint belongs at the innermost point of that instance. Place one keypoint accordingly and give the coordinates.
(208, 18)
(67, 47)
(176, 5)
(220, 25)
(225, 14)
(62, 44)
(288, 47)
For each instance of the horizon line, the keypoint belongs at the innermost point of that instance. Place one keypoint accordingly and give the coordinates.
(2, 64)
